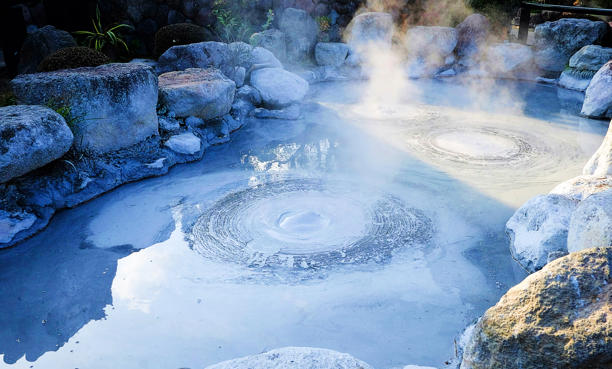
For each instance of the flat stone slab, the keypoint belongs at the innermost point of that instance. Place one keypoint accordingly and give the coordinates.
(113, 106)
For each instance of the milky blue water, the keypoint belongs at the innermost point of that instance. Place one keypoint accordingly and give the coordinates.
(373, 229)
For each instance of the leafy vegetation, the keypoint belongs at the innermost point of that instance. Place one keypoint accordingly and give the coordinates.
(101, 36)
(7, 98)
(324, 23)
(65, 111)
(234, 24)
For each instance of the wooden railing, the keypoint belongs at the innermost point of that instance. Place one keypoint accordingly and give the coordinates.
(526, 8)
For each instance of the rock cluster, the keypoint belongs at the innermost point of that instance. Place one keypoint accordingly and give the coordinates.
(583, 65)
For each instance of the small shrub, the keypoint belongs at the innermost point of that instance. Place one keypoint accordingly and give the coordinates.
(231, 26)
(269, 20)
(324, 23)
(178, 34)
(101, 36)
(65, 111)
(7, 98)
(73, 57)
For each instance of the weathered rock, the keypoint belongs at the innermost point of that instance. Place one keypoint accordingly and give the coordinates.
(263, 58)
(295, 357)
(200, 55)
(278, 88)
(600, 164)
(291, 112)
(185, 143)
(40, 44)
(300, 33)
(240, 55)
(508, 59)
(583, 65)
(331, 53)
(581, 187)
(272, 40)
(13, 223)
(168, 125)
(472, 34)
(557, 41)
(591, 223)
(598, 96)
(203, 93)
(31, 136)
(433, 44)
(113, 105)
(239, 76)
(372, 29)
(538, 230)
(250, 94)
(558, 317)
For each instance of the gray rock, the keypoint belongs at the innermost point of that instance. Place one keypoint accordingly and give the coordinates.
(600, 164)
(433, 44)
(538, 230)
(169, 125)
(555, 318)
(581, 187)
(40, 44)
(591, 223)
(239, 76)
(557, 41)
(241, 109)
(583, 65)
(199, 55)
(300, 33)
(331, 53)
(292, 112)
(240, 55)
(295, 357)
(573, 79)
(272, 40)
(113, 105)
(250, 94)
(372, 29)
(185, 143)
(598, 96)
(148, 62)
(278, 88)
(472, 35)
(263, 58)
(194, 122)
(13, 223)
(203, 93)
(32, 136)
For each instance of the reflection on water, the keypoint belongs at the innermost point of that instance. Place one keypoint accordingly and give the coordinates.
(391, 219)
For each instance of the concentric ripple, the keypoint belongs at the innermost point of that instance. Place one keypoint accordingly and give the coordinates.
(308, 224)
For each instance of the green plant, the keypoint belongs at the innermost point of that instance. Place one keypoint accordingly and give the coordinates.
(101, 36)
(324, 23)
(65, 111)
(269, 20)
(230, 26)
(7, 98)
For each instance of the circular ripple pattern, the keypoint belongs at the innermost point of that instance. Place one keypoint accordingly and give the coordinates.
(307, 224)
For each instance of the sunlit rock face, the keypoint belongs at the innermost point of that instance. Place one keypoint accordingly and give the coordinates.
(583, 65)
(557, 41)
(600, 164)
(278, 88)
(114, 105)
(556, 318)
(598, 96)
(538, 230)
(581, 187)
(308, 225)
(295, 357)
(591, 223)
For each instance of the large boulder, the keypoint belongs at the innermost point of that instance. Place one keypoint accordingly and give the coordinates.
(538, 230)
(600, 164)
(271, 39)
(300, 33)
(40, 44)
(472, 35)
(202, 93)
(295, 357)
(591, 223)
(198, 55)
(113, 106)
(31, 136)
(433, 44)
(598, 96)
(264, 58)
(13, 223)
(583, 65)
(557, 318)
(331, 53)
(581, 187)
(557, 41)
(372, 29)
(278, 88)
(508, 59)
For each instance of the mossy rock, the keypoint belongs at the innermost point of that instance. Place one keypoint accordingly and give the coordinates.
(179, 34)
(73, 57)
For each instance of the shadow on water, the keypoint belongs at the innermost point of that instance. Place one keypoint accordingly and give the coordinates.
(55, 283)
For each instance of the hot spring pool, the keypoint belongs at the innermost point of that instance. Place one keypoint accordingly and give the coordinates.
(369, 228)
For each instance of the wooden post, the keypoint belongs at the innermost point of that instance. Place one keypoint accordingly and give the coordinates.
(524, 23)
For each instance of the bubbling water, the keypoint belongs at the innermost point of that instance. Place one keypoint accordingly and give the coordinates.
(308, 224)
